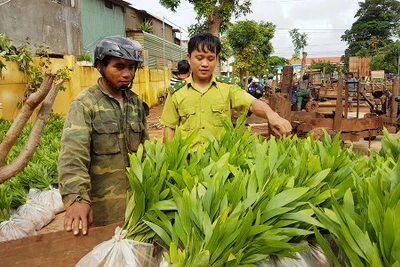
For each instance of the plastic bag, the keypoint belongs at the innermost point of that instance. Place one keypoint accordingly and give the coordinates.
(49, 198)
(16, 228)
(119, 252)
(311, 257)
(38, 214)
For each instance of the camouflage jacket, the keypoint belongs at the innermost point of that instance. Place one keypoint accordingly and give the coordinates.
(97, 137)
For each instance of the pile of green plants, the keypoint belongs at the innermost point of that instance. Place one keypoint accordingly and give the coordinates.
(241, 199)
(41, 171)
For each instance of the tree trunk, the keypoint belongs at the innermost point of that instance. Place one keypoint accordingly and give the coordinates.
(246, 81)
(303, 64)
(214, 27)
(31, 103)
(7, 172)
(287, 80)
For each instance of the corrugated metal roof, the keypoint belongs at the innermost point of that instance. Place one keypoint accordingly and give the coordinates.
(121, 2)
(156, 45)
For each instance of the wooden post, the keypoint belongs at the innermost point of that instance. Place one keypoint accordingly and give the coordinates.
(395, 92)
(287, 80)
(281, 103)
(346, 100)
(337, 123)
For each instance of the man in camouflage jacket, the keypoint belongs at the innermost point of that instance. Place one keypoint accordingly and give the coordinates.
(105, 122)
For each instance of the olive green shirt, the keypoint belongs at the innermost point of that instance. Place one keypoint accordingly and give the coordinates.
(192, 109)
(97, 137)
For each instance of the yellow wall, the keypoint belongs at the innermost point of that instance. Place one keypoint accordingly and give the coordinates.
(148, 84)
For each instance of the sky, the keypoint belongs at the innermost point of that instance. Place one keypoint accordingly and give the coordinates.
(323, 20)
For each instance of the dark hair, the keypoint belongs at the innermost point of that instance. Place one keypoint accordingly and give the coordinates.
(204, 41)
(183, 66)
(305, 76)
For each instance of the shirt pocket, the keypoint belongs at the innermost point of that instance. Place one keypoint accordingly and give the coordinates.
(105, 138)
(136, 129)
(218, 113)
(187, 118)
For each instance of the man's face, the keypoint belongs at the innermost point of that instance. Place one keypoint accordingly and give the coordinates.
(120, 72)
(202, 64)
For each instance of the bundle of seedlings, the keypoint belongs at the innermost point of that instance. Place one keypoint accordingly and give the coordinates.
(365, 225)
(12, 226)
(151, 199)
(241, 199)
(26, 208)
(40, 175)
(41, 181)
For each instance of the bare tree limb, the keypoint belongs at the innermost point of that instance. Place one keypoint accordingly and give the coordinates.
(32, 143)
(29, 106)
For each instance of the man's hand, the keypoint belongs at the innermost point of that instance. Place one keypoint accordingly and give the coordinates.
(279, 125)
(79, 216)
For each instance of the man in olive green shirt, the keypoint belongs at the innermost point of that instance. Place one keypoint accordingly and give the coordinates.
(200, 101)
(105, 123)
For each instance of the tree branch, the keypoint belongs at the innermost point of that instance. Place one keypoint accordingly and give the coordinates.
(29, 149)
(29, 106)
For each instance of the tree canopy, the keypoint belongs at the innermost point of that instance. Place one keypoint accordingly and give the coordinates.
(250, 43)
(325, 66)
(376, 24)
(215, 14)
(299, 41)
(387, 58)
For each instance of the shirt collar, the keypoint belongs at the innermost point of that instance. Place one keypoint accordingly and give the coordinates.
(129, 94)
(213, 81)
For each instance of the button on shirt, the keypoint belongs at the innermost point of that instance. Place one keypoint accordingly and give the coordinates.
(193, 109)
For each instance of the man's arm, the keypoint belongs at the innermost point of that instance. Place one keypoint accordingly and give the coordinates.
(73, 169)
(168, 134)
(279, 125)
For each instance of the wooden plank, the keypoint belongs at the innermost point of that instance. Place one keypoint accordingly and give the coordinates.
(348, 125)
(53, 249)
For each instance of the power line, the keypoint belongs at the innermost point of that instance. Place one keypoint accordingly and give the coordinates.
(5, 2)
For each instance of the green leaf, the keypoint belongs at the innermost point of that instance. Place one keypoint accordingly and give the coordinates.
(286, 197)
(160, 232)
(326, 248)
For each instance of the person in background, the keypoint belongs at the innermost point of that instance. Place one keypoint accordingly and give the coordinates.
(249, 81)
(294, 95)
(351, 87)
(263, 80)
(255, 89)
(105, 123)
(201, 101)
(181, 73)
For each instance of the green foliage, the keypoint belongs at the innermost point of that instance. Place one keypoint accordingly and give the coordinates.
(5, 203)
(85, 57)
(376, 24)
(251, 45)
(41, 171)
(325, 67)
(216, 14)
(226, 50)
(365, 223)
(7, 51)
(363, 52)
(146, 26)
(299, 41)
(34, 73)
(273, 61)
(239, 198)
(387, 59)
